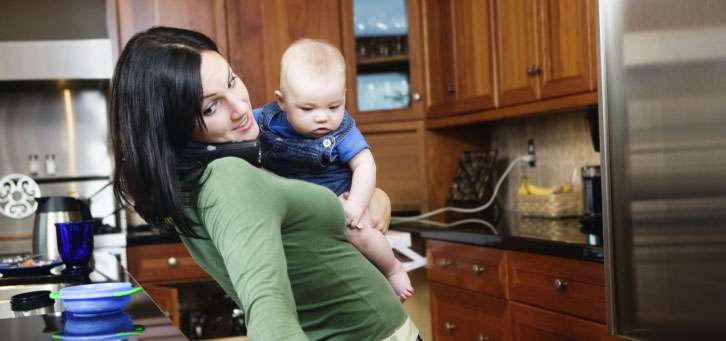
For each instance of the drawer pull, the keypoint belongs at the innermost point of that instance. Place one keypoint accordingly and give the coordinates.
(449, 327)
(483, 338)
(560, 284)
(444, 262)
(172, 261)
(478, 269)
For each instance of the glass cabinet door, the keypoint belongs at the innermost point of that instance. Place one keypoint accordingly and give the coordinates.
(385, 79)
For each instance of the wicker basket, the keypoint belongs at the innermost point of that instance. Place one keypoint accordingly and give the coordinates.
(556, 205)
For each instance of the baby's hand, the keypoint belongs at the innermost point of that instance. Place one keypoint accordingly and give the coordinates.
(353, 213)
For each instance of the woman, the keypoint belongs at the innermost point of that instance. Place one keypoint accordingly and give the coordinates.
(276, 246)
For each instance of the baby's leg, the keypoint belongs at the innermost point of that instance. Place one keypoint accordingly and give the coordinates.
(375, 247)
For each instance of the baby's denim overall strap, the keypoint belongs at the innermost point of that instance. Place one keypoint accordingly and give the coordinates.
(300, 157)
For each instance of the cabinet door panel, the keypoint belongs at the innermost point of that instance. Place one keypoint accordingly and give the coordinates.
(565, 47)
(207, 17)
(517, 51)
(398, 151)
(261, 30)
(530, 323)
(465, 315)
(569, 286)
(167, 298)
(440, 78)
(474, 89)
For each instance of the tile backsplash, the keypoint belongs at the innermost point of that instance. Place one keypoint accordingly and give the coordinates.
(562, 144)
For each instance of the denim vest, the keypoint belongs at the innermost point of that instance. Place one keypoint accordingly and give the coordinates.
(302, 158)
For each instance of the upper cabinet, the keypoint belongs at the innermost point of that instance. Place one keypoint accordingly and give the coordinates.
(382, 45)
(459, 56)
(260, 31)
(544, 48)
(566, 37)
(208, 17)
(516, 38)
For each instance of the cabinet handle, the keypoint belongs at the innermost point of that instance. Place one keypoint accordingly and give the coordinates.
(534, 70)
(483, 338)
(416, 97)
(172, 261)
(450, 89)
(478, 269)
(449, 327)
(560, 284)
(444, 262)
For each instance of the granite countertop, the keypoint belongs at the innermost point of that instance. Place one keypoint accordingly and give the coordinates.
(552, 237)
(142, 312)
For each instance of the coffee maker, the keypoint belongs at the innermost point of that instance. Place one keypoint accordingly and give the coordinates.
(591, 199)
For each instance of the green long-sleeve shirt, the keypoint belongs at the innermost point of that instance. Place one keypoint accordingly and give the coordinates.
(278, 247)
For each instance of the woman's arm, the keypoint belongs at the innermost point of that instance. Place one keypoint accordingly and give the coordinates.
(243, 216)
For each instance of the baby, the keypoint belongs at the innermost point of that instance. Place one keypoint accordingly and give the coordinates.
(306, 134)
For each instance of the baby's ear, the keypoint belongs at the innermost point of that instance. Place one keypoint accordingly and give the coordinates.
(280, 99)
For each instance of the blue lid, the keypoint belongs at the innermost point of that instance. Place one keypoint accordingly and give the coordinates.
(95, 290)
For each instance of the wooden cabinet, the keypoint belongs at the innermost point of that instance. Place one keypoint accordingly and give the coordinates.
(516, 40)
(162, 263)
(208, 17)
(544, 48)
(260, 31)
(568, 286)
(566, 36)
(531, 323)
(167, 299)
(469, 267)
(465, 315)
(398, 151)
(408, 63)
(524, 296)
(460, 56)
(158, 264)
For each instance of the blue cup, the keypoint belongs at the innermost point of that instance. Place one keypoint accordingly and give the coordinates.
(75, 245)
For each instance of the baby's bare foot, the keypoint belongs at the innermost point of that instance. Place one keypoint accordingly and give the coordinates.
(401, 284)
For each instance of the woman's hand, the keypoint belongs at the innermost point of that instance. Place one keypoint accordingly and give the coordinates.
(379, 209)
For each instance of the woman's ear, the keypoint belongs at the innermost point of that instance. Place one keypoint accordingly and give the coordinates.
(280, 100)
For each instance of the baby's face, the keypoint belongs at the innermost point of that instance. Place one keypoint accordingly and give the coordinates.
(314, 108)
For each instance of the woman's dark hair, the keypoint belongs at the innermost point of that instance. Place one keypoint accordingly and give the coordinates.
(156, 101)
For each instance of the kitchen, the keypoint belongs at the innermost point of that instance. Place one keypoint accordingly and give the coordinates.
(449, 94)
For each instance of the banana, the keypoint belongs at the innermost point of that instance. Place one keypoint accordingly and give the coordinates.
(522, 190)
(536, 190)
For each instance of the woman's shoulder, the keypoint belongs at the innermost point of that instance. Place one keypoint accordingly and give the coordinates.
(228, 170)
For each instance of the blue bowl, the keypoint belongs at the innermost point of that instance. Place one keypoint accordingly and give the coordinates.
(114, 326)
(95, 299)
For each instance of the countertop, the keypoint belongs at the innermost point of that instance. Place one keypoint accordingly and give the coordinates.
(551, 237)
(142, 311)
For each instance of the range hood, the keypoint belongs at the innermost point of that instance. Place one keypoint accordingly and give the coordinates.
(50, 40)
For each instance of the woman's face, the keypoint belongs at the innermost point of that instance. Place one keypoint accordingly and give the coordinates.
(226, 104)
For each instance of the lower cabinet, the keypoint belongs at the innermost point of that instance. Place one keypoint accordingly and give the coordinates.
(159, 264)
(466, 315)
(167, 298)
(532, 323)
(542, 298)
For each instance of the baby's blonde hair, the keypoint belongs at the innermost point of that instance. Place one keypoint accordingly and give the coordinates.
(311, 59)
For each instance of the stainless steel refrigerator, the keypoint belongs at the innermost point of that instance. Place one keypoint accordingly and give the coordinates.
(663, 139)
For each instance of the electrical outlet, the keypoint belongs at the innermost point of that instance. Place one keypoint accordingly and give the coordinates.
(530, 151)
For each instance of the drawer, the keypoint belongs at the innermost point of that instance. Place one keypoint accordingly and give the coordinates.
(531, 323)
(163, 263)
(564, 285)
(470, 267)
(460, 315)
